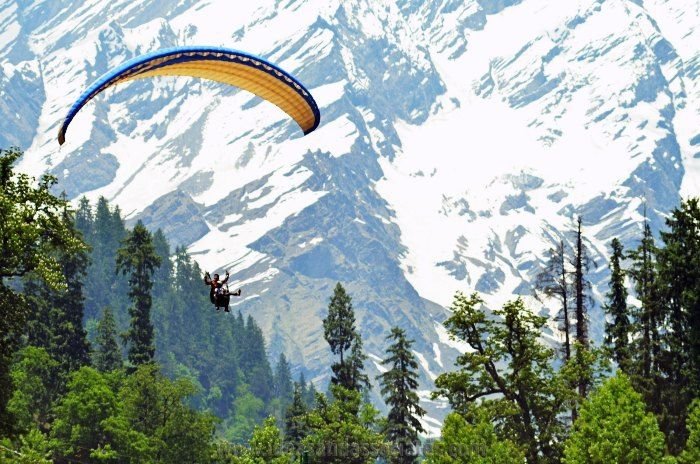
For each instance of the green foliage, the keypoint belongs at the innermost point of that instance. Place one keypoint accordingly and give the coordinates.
(341, 335)
(554, 281)
(613, 426)
(107, 356)
(510, 372)
(462, 442)
(679, 292)
(399, 386)
(295, 422)
(32, 448)
(691, 453)
(32, 232)
(156, 424)
(248, 411)
(617, 332)
(343, 431)
(137, 257)
(34, 376)
(82, 415)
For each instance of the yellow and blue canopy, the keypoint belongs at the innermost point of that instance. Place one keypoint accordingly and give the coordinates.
(223, 65)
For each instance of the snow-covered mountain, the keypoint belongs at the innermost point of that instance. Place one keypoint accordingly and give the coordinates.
(459, 138)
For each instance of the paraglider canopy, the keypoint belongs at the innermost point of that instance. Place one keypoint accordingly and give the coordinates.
(223, 65)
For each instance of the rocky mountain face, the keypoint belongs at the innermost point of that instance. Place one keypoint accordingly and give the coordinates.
(459, 139)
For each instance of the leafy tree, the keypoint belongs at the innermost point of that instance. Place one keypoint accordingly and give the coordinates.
(617, 332)
(34, 377)
(80, 430)
(108, 356)
(510, 372)
(691, 453)
(342, 432)
(248, 411)
(154, 407)
(34, 448)
(554, 281)
(399, 386)
(265, 447)
(463, 442)
(32, 230)
(613, 426)
(137, 257)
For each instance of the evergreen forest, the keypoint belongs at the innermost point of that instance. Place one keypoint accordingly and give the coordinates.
(110, 352)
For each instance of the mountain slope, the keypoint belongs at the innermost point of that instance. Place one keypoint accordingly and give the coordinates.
(458, 139)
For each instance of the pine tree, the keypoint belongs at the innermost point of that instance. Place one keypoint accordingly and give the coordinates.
(679, 293)
(295, 427)
(399, 386)
(554, 282)
(84, 218)
(351, 374)
(137, 257)
(647, 318)
(617, 332)
(339, 331)
(254, 362)
(163, 275)
(581, 292)
(283, 381)
(108, 356)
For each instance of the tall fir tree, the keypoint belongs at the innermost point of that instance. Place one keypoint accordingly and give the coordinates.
(679, 293)
(164, 274)
(137, 258)
(617, 331)
(554, 281)
(341, 335)
(398, 386)
(107, 356)
(648, 316)
(583, 301)
(295, 426)
(284, 387)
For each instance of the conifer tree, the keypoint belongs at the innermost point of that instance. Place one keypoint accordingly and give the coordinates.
(295, 427)
(648, 317)
(108, 356)
(399, 386)
(137, 257)
(163, 275)
(84, 218)
(341, 335)
(582, 299)
(679, 292)
(554, 281)
(284, 387)
(617, 331)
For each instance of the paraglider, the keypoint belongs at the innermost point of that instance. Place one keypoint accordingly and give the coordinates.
(219, 293)
(223, 65)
